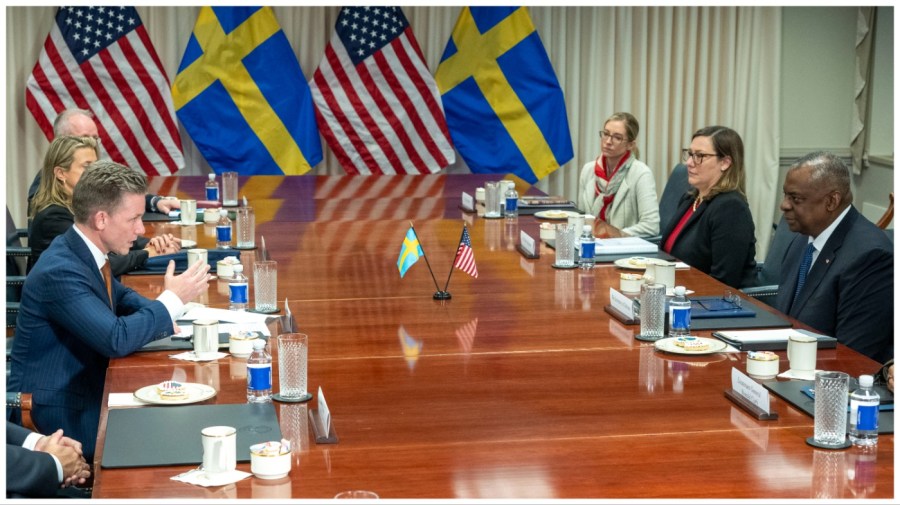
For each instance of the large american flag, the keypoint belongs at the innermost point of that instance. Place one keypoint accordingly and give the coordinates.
(376, 101)
(101, 59)
(465, 258)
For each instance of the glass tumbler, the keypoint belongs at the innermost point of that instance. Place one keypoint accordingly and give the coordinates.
(265, 286)
(293, 353)
(653, 311)
(832, 397)
(565, 246)
(492, 192)
(246, 228)
(229, 189)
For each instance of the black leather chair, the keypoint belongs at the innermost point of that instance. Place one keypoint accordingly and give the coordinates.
(676, 186)
(768, 272)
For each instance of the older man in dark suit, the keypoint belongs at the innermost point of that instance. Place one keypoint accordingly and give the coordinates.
(74, 315)
(838, 275)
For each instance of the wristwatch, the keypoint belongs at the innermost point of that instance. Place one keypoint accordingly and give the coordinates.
(153, 201)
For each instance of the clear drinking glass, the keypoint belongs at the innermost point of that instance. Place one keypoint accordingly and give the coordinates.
(293, 352)
(653, 311)
(265, 286)
(246, 227)
(229, 189)
(565, 245)
(492, 198)
(832, 397)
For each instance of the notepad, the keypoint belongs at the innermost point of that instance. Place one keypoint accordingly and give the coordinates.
(624, 245)
(769, 340)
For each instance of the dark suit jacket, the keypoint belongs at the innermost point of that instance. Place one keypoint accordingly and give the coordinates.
(66, 332)
(56, 219)
(849, 291)
(718, 239)
(29, 474)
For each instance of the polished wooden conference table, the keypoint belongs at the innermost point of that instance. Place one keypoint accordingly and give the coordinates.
(520, 386)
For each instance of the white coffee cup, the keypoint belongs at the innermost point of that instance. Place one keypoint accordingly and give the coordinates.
(801, 351)
(578, 222)
(664, 273)
(762, 364)
(206, 338)
(188, 211)
(196, 255)
(219, 449)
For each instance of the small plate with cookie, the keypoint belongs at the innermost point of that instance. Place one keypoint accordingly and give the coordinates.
(175, 393)
(690, 345)
(638, 262)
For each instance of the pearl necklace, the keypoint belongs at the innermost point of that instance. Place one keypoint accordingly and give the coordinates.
(697, 202)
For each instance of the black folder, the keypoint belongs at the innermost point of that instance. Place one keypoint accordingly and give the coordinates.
(792, 392)
(824, 341)
(164, 436)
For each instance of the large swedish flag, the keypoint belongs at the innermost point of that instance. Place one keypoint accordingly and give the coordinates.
(242, 97)
(504, 106)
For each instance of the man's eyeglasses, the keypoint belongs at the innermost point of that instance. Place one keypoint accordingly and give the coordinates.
(697, 157)
(614, 137)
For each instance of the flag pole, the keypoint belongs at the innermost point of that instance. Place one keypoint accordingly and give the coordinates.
(454, 258)
(438, 295)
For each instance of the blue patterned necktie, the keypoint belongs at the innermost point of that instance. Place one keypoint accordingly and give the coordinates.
(804, 269)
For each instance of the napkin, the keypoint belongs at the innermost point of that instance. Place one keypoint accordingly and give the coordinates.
(806, 375)
(124, 400)
(190, 356)
(200, 478)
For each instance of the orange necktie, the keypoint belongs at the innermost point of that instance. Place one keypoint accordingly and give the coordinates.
(107, 278)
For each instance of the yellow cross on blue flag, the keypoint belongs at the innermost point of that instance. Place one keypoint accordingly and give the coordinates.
(410, 251)
(504, 106)
(241, 95)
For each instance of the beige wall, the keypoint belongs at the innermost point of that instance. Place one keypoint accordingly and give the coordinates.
(818, 65)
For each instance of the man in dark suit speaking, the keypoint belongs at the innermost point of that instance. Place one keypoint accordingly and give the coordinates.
(838, 275)
(74, 315)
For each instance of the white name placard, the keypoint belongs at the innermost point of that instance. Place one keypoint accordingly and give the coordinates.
(527, 242)
(621, 303)
(468, 201)
(749, 389)
(324, 414)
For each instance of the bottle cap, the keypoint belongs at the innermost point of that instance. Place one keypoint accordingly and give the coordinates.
(212, 177)
(586, 229)
(259, 344)
(679, 290)
(223, 212)
(238, 268)
(866, 381)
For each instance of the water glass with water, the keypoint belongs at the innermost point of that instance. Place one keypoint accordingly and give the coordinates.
(265, 286)
(229, 189)
(293, 353)
(832, 391)
(653, 311)
(565, 246)
(246, 228)
(492, 191)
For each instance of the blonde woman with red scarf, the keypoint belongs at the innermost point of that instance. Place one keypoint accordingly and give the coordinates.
(618, 188)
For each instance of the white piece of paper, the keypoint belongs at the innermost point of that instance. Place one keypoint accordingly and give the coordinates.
(324, 414)
(750, 336)
(621, 303)
(624, 245)
(117, 400)
(527, 242)
(190, 356)
(231, 316)
(187, 330)
(748, 388)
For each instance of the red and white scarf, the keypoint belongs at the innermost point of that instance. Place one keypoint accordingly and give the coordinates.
(607, 186)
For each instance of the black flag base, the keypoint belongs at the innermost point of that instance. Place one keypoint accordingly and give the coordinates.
(441, 295)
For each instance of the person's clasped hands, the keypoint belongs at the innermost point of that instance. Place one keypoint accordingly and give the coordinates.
(163, 244)
(76, 471)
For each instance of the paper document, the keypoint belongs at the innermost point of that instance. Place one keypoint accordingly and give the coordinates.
(187, 330)
(749, 336)
(232, 316)
(624, 245)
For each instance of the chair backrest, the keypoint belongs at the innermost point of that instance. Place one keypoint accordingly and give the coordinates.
(888, 214)
(676, 186)
(770, 272)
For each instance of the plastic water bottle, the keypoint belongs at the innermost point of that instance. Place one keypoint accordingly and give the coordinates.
(864, 413)
(223, 230)
(212, 189)
(586, 248)
(511, 209)
(679, 314)
(237, 288)
(259, 374)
